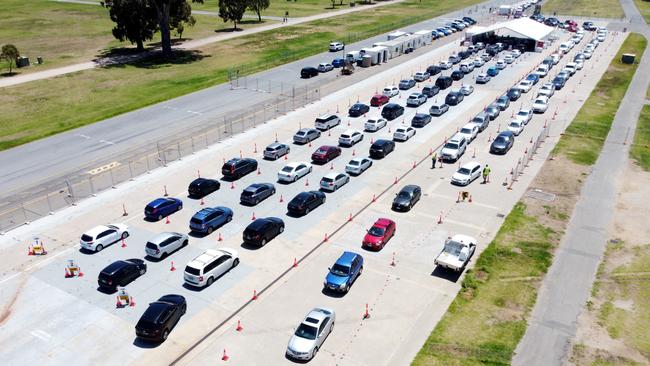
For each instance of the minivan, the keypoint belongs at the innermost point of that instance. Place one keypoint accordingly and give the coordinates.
(327, 121)
(444, 82)
(209, 266)
(438, 109)
(392, 111)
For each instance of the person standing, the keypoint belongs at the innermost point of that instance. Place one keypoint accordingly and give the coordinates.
(486, 174)
(434, 159)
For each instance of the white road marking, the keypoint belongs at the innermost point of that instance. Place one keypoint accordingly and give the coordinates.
(193, 112)
(41, 334)
(82, 135)
(107, 142)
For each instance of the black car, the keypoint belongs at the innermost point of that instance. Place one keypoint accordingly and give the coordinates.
(469, 20)
(238, 167)
(513, 94)
(407, 198)
(202, 187)
(457, 75)
(381, 148)
(502, 143)
(358, 109)
(430, 90)
(454, 98)
(464, 54)
(420, 120)
(304, 202)
(308, 72)
(558, 82)
(589, 26)
(160, 318)
(255, 193)
(121, 273)
(262, 230)
(392, 111)
(444, 82)
(433, 70)
(552, 22)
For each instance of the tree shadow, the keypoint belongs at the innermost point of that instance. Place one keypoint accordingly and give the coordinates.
(252, 21)
(228, 30)
(9, 74)
(156, 59)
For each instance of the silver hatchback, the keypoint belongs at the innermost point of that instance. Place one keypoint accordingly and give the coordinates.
(275, 150)
(164, 244)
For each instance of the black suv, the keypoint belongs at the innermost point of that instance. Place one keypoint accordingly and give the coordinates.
(304, 202)
(392, 111)
(454, 98)
(514, 94)
(160, 318)
(202, 187)
(444, 82)
(308, 72)
(433, 70)
(457, 75)
(237, 167)
(262, 230)
(502, 143)
(121, 273)
(381, 148)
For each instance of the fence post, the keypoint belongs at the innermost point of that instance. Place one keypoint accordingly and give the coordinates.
(110, 171)
(131, 170)
(92, 186)
(192, 140)
(49, 204)
(148, 167)
(70, 192)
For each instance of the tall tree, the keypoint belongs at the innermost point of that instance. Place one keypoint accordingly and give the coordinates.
(257, 6)
(10, 53)
(232, 10)
(170, 13)
(135, 20)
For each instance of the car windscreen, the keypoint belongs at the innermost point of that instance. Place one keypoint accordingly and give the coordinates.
(466, 131)
(500, 140)
(340, 270)
(354, 162)
(451, 145)
(327, 180)
(463, 171)
(514, 124)
(321, 151)
(85, 237)
(376, 231)
(306, 331)
(151, 246)
(404, 194)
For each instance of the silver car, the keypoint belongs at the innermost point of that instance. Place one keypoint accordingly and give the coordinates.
(275, 150)
(311, 333)
(333, 181)
(357, 166)
(306, 135)
(163, 244)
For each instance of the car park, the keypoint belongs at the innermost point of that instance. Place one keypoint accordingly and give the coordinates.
(263, 230)
(454, 148)
(406, 84)
(421, 76)
(238, 167)
(357, 166)
(164, 244)
(99, 237)
(256, 193)
(420, 120)
(416, 100)
(160, 318)
(294, 171)
(303, 203)
(503, 102)
(379, 234)
(457, 75)
(380, 148)
(308, 72)
(540, 105)
(493, 111)
(203, 270)
(406, 198)
(344, 272)
(210, 218)
(374, 125)
(403, 133)
(483, 78)
(121, 273)
(336, 46)
(430, 90)
(466, 89)
(438, 109)
(350, 138)
(327, 121)
(466, 174)
(162, 207)
(276, 150)
(325, 67)
(454, 98)
(305, 135)
(444, 82)
(524, 115)
(469, 131)
(516, 126)
(391, 111)
(310, 334)
(201, 187)
(391, 91)
(379, 100)
(502, 143)
(481, 120)
(358, 109)
(333, 181)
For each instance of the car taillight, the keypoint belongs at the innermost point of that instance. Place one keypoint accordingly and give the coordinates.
(157, 251)
(232, 169)
(110, 282)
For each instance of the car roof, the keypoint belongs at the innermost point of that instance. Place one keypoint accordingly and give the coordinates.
(206, 257)
(274, 145)
(346, 258)
(409, 188)
(158, 201)
(162, 236)
(206, 211)
(295, 164)
(115, 266)
(331, 175)
(317, 314)
(470, 165)
(349, 132)
(383, 222)
(96, 230)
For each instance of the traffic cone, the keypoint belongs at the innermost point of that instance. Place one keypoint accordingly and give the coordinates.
(225, 356)
(124, 213)
(526, 151)
(332, 166)
(306, 182)
(80, 274)
(470, 198)
(198, 173)
(440, 218)
(232, 185)
(531, 140)
(392, 263)
(165, 186)
(395, 181)
(253, 218)
(239, 327)
(172, 268)
(118, 303)
(202, 202)
(309, 144)
(329, 133)
(254, 295)
(31, 251)
(219, 238)
(474, 153)
(295, 263)
(131, 301)
(366, 314)
(255, 148)
(325, 238)
(259, 171)
(281, 199)
(286, 156)
(374, 199)
(414, 164)
(353, 153)
(123, 243)
(67, 273)
(350, 217)
(372, 141)
(167, 220)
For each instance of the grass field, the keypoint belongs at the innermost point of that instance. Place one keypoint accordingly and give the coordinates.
(584, 8)
(640, 150)
(585, 136)
(97, 94)
(644, 9)
(298, 8)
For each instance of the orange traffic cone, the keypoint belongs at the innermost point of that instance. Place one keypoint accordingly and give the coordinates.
(225, 356)
(131, 301)
(295, 263)
(219, 238)
(254, 295)
(366, 314)
(253, 218)
(239, 327)
(167, 220)
(172, 268)
(80, 274)
(123, 243)
(118, 303)
(31, 251)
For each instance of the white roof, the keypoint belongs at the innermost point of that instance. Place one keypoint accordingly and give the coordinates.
(523, 26)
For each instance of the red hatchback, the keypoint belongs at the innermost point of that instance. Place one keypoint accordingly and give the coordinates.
(325, 153)
(379, 234)
(378, 100)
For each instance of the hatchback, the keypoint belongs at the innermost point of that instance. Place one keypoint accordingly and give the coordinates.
(416, 100)
(407, 198)
(161, 207)
(121, 273)
(483, 78)
(466, 174)
(357, 166)
(358, 109)
(160, 318)
(305, 202)
(276, 150)
(202, 187)
(379, 100)
(325, 153)
(381, 148)
(210, 218)
(350, 138)
(164, 244)
(344, 272)
(379, 234)
(99, 237)
(333, 181)
(392, 111)
(256, 193)
(391, 91)
(263, 230)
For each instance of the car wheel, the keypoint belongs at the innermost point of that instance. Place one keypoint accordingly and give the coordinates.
(263, 243)
(307, 211)
(229, 218)
(210, 281)
(295, 178)
(184, 310)
(335, 188)
(125, 235)
(184, 243)
(323, 200)
(143, 271)
(160, 217)
(209, 230)
(314, 352)
(180, 207)
(281, 229)
(273, 192)
(256, 201)
(360, 271)
(310, 168)
(99, 248)
(347, 289)
(235, 263)
(165, 334)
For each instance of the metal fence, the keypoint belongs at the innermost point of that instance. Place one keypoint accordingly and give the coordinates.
(529, 153)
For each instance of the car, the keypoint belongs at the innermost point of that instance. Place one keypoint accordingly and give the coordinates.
(478, 62)
(420, 120)
(210, 218)
(160, 318)
(306, 135)
(558, 82)
(565, 73)
(325, 67)
(481, 120)
(601, 38)
(572, 67)
(121, 273)
(466, 174)
(421, 76)
(445, 65)
(99, 237)
(430, 90)
(333, 181)
(433, 70)
(358, 109)
(493, 111)
(256, 193)
(454, 98)
(469, 131)
(483, 78)
(466, 67)
(546, 90)
(469, 20)
(380, 148)
(454, 148)
(374, 125)
(501, 64)
(391, 91)
(438, 109)
(378, 100)
(406, 198)
(327, 121)
(457, 75)
(392, 111)
(513, 94)
(503, 102)
(338, 62)
(454, 59)
(525, 85)
(456, 253)
(201, 187)
(275, 150)
(516, 53)
(325, 153)
(444, 82)
(162, 207)
(486, 57)
(580, 64)
(294, 171)
(336, 46)
(379, 234)
(416, 100)
(509, 58)
(350, 137)
(533, 77)
(466, 89)
(589, 26)
(552, 22)
(164, 244)
(403, 133)
(310, 334)
(344, 272)
(357, 166)
(262, 230)
(502, 143)
(516, 126)
(308, 72)
(540, 105)
(492, 71)
(406, 84)
(524, 115)
(203, 270)
(238, 167)
(305, 202)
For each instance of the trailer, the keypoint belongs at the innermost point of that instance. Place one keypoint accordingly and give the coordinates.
(504, 10)
(395, 47)
(396, 34)
(425, 36)
(353, 56)
(377, 54)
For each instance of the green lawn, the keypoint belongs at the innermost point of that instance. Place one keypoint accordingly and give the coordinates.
(640, 150)
(97, 94)
(644, 9)
(586, 8)
(586, 134)
(298, 8)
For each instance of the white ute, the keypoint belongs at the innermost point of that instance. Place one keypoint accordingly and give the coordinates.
(457, 252)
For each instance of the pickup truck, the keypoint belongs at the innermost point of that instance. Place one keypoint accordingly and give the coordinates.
(457, 252)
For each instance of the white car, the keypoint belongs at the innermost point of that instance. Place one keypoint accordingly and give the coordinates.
(466, 174)
(333, 181)
(374, 124)
(516, 53)
(445, 65)
(310, 334)
(416, 100)
(564, 47)
(469, 131)
(508, 58)
(466, 89)
(336, 46)
(556, 57)
(211, 265)
(325, 67)
(546, 90)
(501, 64)
(357, 166)
(350, 137)
(102, 236)
(294, 171)
(391, 91)
(572, 67)
(478, 62)
(540, 105)
(403, 133)
(524, 115)
(525, 85)
(454, 148)
(164, 244)
(516, 126)
(542, 71)
(601, 38)
(580, 64)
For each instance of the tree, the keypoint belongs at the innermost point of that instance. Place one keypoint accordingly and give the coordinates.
(171, 13)
(9, 53)
(232, 10)
(257, 6)
(135, 20)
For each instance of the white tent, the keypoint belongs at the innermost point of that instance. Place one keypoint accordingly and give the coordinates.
(520, 28)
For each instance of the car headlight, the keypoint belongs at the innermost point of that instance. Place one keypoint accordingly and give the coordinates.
(342, 285)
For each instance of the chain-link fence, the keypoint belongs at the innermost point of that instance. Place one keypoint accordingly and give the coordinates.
(529, 153)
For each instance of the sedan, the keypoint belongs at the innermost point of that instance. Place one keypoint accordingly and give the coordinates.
(469, 131)
(502, 143)
(358, 109)
(160, 318)
(404, 133)
(256, 193)
(374, 125)
(391, 91)
(350, 138)
(420, 120)
(457, 75)
(524, 115)
(516, 126)
(276, 150)
(325, 153)
(493, 111)
(333, 181)
(421, 76)
(514, 94)
(546, 90)
(533, 77)
(406, 84)
(161, 207)
(416, 100)
(121, 273)
(202, 187)
(466, 89)
(304, 202)
(294, 171)
(357, 166)
(379, 100)
(503, 102)
(540, 105)
(407, 198)
(454, 98)
(379, 234)
(306, 135)
(310, 334)
(102, 236)
(525, 85)
(483, 78)
(466, 174)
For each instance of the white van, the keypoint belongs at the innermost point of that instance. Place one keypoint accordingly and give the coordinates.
(209, 266)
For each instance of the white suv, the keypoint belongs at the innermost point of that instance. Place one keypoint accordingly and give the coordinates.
(454, 148)
(336, 46)
(327, 121)
(209, 266)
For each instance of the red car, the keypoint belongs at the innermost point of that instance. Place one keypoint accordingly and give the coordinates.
(379, 234)
(378, 100)
(325, 153)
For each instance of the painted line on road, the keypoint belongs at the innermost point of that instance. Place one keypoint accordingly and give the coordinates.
(104, 168)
